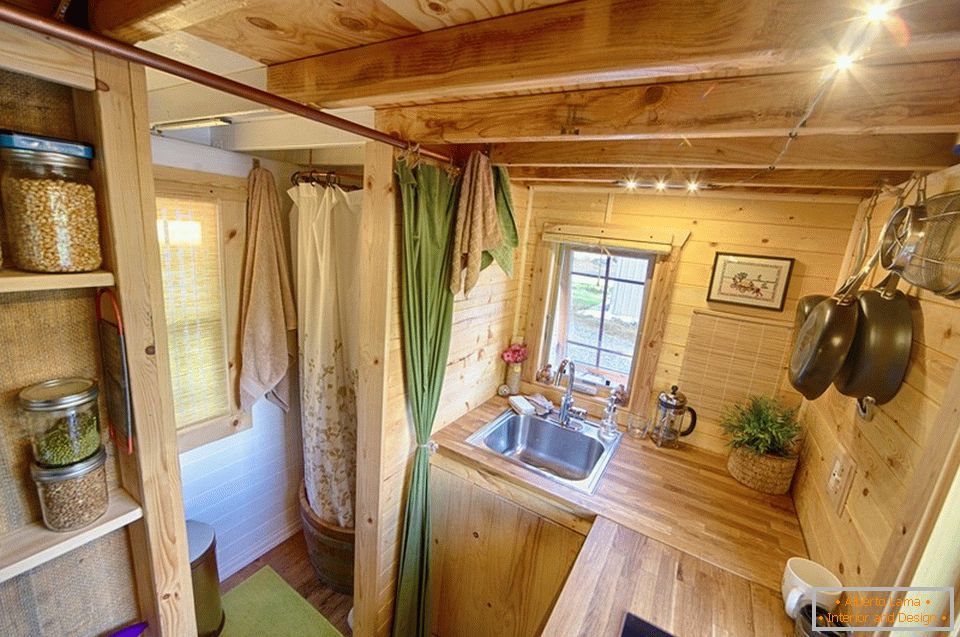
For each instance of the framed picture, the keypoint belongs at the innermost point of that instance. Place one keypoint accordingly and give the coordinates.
(746, 279)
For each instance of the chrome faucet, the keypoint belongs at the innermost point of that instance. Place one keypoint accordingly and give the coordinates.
(567, 410)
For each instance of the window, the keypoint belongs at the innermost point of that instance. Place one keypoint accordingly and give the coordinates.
(188, 231)
(597, 311)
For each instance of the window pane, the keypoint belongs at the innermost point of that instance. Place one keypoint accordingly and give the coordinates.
(630, 268)
(189, 236)
(586, 300)
(581, 354)
(589, 263)
(615, 362)
(622, 318)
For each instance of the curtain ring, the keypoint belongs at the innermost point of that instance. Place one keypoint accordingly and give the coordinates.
(431, 447)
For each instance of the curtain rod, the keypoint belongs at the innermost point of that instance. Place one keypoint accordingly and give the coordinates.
(96, 42)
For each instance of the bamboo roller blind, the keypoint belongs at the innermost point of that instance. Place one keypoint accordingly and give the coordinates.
(189, 235)
(728, 358)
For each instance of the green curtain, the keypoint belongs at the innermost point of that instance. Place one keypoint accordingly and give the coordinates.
(429, 197)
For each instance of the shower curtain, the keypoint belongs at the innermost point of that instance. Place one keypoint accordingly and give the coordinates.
(327, 226)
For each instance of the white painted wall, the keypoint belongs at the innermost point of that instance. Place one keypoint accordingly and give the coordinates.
(244, 485)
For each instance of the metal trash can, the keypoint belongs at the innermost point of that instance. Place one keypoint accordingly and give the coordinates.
(202, 546)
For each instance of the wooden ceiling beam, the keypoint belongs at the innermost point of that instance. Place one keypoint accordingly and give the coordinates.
(847, 180)
(901, 98)
(814, 152)
(592, 42)
(137, 20)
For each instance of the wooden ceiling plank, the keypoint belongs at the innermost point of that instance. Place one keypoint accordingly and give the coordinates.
(830, 179)
(137, 20)
(606, 41)
(814, 152)
(901, 98)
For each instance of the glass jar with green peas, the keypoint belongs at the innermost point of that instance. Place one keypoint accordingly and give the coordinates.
(62, 419)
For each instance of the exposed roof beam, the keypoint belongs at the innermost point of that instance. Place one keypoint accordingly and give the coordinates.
(849, 180)
(902, 98)
(137, 20)
(608, 41)
(872, 152)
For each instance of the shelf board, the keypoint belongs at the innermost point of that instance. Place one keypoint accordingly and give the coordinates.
(30, 546)
(19, 281)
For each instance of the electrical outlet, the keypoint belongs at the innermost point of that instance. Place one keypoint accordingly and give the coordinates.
(842, 470)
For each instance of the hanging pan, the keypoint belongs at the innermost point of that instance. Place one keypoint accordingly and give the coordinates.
(880, 352)
(826, 336)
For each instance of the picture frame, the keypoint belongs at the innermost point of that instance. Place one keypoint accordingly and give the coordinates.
(751, 280)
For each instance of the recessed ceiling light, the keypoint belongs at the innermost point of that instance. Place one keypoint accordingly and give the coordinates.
(631, 184)
(844, 62)
(693, 186)
(878, 12)
(661, 185)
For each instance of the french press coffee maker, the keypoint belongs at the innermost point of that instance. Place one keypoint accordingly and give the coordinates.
(668, 421)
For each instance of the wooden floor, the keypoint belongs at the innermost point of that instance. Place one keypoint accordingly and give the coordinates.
(290, 562)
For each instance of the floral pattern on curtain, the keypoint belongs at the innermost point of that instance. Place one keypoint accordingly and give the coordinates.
(327, 291)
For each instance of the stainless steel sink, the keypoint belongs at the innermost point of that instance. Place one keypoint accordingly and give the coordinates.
(574, 458)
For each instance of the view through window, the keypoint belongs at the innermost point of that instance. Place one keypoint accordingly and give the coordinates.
(598, 311)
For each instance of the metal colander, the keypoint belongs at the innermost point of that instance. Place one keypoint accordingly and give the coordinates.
(921, 243)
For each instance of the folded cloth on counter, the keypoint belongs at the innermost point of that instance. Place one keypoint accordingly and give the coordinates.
(503, 254)
(267, 310)
(478, 225)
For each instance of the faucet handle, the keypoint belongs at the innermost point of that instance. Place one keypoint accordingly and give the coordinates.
(578, 412)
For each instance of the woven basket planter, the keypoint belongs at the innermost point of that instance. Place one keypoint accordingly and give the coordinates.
(767, 474)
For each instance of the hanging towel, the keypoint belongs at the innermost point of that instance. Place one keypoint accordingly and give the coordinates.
(503, 254)
(478, 225)
(266, 303)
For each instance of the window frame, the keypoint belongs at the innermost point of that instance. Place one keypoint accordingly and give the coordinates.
(230, 195)
(558, 299)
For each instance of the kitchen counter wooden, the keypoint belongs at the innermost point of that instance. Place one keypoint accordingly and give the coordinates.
(676, 540)
(619, 570)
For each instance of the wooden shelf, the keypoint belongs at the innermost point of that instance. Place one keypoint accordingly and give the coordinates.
(19, 281)
(30, 546)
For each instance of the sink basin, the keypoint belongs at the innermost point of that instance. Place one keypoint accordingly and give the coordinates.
(574, 458)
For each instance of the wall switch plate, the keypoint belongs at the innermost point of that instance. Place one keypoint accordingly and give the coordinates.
(842, 470)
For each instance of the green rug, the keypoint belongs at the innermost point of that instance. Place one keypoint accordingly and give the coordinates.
(263, 605)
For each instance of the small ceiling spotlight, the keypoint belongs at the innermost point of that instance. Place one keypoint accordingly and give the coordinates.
(878, 12)
(844, 62)
(693, 186)
(631, 184)
(661, 185)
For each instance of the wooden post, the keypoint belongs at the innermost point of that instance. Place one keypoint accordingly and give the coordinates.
(375, 264)
(116, 120)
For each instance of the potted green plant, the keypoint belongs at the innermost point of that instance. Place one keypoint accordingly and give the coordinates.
(764, 441)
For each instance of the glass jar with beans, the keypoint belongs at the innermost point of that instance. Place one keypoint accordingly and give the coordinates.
(75, 496)
(62, 419)
(49, 204)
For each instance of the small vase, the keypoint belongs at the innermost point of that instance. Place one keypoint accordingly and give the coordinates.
(513, 377)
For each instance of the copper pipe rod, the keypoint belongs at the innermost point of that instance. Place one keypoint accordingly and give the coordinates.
(96, 42)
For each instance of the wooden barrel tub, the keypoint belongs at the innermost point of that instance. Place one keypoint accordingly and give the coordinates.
(330, 548)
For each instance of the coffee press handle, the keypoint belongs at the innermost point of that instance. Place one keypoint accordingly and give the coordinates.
(693, 422)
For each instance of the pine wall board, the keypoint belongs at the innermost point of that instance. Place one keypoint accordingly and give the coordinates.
(887, 449)
(814, 232)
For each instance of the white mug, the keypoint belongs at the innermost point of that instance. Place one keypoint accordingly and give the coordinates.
(799, 578)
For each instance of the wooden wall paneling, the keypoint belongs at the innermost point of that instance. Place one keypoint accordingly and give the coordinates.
(897, 453)
(49, 59)
(813, 232)
(376, 268)
(497, 567)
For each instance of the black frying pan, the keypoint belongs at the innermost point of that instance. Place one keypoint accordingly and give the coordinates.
(826, 336)
(880, 352)
(804, 306)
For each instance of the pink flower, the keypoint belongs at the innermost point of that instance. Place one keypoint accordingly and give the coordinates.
(515, 354)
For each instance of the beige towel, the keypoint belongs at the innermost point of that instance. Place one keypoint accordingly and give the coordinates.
(267, 310)
(478, 225)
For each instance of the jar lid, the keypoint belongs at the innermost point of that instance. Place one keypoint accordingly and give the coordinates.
(38, 143)
(58, 474)
(58, 393)
(44, 158)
